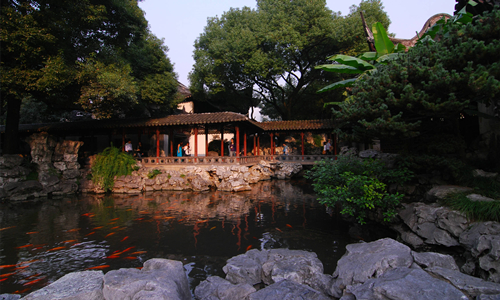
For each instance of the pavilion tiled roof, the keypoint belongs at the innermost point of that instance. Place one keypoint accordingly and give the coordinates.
(297, 125)
(172, 120)
(180, 120)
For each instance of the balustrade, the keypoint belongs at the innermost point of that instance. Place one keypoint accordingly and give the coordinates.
(226, 160)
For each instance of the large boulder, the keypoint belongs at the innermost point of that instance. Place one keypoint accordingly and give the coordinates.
(435, 224)
(473, 286)
(24, 190)
(295, 265)
(287, 170)
(246, 268)
(377, 258)
(406, 283)
(483, 242)
(287, 289)
(433, 259)
(158, 279)
(86, 285)
(215, 287)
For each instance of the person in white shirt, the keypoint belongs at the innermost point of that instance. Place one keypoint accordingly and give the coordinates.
(128, 147)
(187, 149)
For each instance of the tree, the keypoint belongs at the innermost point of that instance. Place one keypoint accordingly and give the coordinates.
(268, 55)
(70, 55)
(419, 98)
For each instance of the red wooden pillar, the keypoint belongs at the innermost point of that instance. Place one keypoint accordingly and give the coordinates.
(237, 141)
(245, 143)
(171, 140)
(272, 143)
(196, 142)
(206, 140)
(157, 142)
(222, 140)
(258, 145)
(302, 137)
(123, 139)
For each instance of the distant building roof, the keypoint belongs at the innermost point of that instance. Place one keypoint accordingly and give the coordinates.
(183, 90)
(297, 125)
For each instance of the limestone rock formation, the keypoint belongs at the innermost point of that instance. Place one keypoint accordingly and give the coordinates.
(86, 285)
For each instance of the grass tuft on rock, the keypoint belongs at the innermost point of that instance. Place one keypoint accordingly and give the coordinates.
(474, 210)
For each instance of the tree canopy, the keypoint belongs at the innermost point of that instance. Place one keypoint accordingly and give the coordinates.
(267, 56)
(420, 97)
(89, 54)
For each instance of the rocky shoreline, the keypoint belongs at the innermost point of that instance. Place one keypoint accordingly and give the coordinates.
(383, 269)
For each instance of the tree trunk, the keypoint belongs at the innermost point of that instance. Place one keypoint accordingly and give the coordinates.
(11, 140)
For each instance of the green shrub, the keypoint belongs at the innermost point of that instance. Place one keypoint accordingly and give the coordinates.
(109, 163)
(153, 173)
(358, 186)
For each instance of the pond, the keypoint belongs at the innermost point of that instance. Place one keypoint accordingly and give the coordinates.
(42, 241)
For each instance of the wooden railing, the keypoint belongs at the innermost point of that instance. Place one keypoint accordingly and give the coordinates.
(241, 160)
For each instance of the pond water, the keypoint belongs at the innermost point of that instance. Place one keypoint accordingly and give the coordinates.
(42, 241)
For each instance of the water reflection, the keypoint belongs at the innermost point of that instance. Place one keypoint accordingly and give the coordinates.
(42, 241)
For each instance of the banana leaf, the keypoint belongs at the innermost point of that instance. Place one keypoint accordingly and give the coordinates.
(337, 85)
(338, 68)
(382, 42)
(352, 61)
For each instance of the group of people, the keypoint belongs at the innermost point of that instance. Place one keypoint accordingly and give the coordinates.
(129, 148)
(183, 150)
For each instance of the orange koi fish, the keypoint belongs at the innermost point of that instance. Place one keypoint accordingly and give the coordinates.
(86, 215)
(128, 249)
(109, 234)
(32, 276)
(5, 228)
(7, 275)
(28, 262)
(57, 248)
(112, 256)
(249, 247)
(213, 228)
(289, 226)
(73, 230)
(91, 233)
(124, 238)
(25, 246)
(130, 257)
(3, 279)
(21, 268)
(116, 227)
(33, 281)
(115, 219)
(138, 252)
(32, 232)
(95, 228)
(98, 267)
(139, 219)
(22, 291)
(69, 241)
(279, 229)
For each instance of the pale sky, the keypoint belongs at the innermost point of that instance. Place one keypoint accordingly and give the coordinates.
(180, 23)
